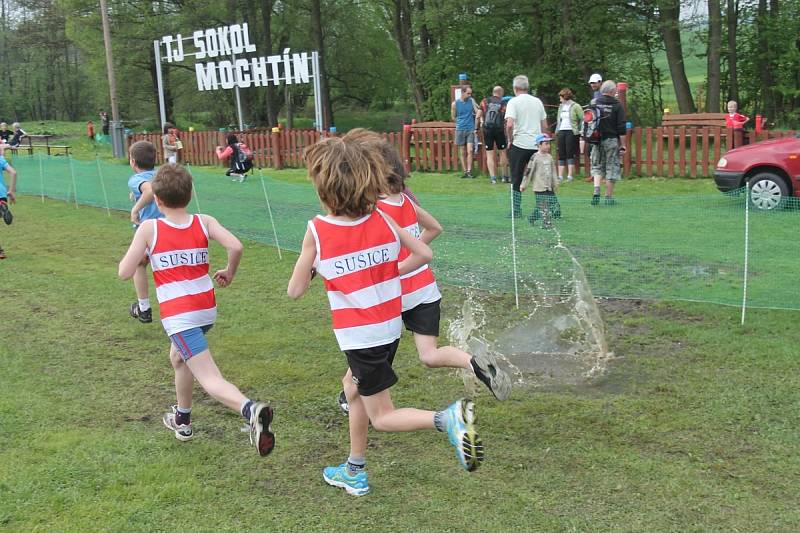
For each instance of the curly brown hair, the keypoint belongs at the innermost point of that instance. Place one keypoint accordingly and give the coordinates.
(348, 175)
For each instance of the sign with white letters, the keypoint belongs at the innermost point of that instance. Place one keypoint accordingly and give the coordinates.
(223, 45)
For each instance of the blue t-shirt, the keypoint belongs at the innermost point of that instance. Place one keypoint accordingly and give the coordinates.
(465, 114)
(134, 183)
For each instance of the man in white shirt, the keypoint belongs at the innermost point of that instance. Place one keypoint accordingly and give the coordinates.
(525, 119)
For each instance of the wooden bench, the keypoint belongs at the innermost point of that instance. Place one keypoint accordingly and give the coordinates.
(694, 120)
(49, 148)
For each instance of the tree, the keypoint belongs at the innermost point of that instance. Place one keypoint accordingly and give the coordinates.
(669, 17)
(713, 56)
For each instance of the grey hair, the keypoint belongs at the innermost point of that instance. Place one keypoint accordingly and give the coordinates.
(16, 125)
(608, 87)
(521, 82)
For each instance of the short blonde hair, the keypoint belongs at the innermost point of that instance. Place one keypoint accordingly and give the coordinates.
(348, 175)
(16, 126)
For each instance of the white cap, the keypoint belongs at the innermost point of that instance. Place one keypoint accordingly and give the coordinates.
(595, 78)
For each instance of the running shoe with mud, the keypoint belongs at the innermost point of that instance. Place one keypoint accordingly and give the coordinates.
(5, 213)
(489, 372)
(145, 317)
(261, 435)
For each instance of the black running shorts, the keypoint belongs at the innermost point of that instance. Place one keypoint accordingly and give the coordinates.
(372, 368)
(423, 319)
(494, 137)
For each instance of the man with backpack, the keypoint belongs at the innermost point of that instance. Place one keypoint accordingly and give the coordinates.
(493, 114)
(606, 134)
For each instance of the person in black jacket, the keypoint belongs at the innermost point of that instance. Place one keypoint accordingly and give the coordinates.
(606, 156)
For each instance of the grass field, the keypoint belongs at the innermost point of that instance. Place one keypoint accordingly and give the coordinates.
(694, 427)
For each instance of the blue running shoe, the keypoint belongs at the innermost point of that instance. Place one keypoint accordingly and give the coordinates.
(469, 448)
(338, 476)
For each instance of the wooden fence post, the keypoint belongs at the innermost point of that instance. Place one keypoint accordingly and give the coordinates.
(405, 146)
(275, 148)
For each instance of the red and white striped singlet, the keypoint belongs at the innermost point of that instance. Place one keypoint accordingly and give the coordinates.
(179, 257)
(358, 262)
(419, 286)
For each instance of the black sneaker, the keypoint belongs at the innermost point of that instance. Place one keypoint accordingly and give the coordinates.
(595, 199)
(144, 317)
(506, 179)
(610, 201)
(494, 377)
(5, 213)
(2, 254)
(464, 176)
(470, 174)
(343, 405)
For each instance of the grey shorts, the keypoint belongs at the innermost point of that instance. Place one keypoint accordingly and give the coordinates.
(465, 137)
(605, 160)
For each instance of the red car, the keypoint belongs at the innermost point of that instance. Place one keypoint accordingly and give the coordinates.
(771, 168)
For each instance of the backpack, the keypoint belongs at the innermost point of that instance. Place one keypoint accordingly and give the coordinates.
(495, 115)
(243, 153)
(590, 130)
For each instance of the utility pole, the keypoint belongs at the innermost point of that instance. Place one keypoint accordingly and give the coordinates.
(117, 142)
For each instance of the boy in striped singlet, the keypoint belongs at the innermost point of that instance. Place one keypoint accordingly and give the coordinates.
(355, 249)
(177, 246)
(421, 296)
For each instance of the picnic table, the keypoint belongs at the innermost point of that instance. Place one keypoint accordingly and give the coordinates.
(42, 141)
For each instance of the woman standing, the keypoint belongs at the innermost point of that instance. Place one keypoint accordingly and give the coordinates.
(169, 143)
(568, 126)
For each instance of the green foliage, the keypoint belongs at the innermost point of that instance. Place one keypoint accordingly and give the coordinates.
(52, 56)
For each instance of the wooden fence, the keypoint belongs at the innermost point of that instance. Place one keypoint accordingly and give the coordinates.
(661, 151)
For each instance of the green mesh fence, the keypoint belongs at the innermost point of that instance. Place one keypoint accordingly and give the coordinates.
(672, 248)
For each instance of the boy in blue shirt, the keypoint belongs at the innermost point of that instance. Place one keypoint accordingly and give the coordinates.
(6, 195)
(142, 160)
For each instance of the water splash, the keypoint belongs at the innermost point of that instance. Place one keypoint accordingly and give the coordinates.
(556, 337)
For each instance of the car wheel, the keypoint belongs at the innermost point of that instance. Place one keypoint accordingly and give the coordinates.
(767, 191)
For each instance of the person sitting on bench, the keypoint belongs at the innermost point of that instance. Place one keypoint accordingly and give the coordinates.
(17, 136)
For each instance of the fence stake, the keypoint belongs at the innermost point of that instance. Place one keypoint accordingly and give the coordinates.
(194, 190)
(269, 210)
(41, 176)
(74, 185)
(102, 184)
(514, 245)
(746, 248)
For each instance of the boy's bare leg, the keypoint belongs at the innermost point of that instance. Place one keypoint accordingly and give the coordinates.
(140, 282)
(385, 417)
(609, 188)
(446, 356)
(184, 380)
(491, 163)
(358, 419)
(209, 377)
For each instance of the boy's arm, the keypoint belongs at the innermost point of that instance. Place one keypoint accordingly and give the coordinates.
(144, 199)
(303, 271)
(528, 176)
(430, 226)
(12, 188)
(136, 251)
(420, 253)
(217, 232)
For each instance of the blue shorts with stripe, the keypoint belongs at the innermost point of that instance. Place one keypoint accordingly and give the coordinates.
(191, 342)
